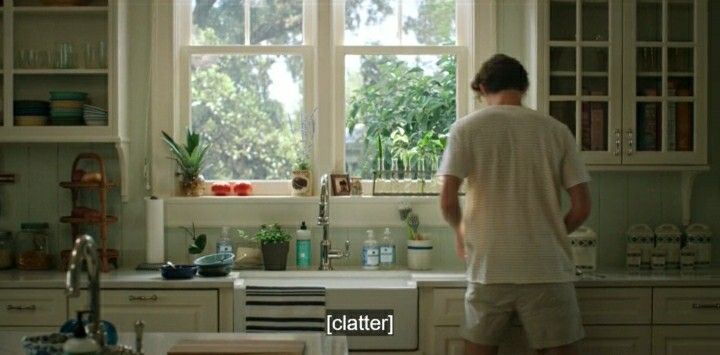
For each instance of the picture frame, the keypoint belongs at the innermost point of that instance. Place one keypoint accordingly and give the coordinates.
(340, 184)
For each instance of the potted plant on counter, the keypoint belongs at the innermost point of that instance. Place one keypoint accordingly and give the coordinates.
(190, 159)
(419, 247)
(274, 243)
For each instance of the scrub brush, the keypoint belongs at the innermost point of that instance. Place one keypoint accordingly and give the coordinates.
(413, 223)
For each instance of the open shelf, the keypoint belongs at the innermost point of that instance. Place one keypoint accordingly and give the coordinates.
(81, 220)
(60, 71)
(60, 9)
(86, 185)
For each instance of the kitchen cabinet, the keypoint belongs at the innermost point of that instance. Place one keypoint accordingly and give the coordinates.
(94, 41)
(614, 340)
(162, 310)
(32, 308)
(627, 77)
(684, 340)
(617, 320)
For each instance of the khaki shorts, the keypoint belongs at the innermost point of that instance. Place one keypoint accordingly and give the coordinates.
(548, 312)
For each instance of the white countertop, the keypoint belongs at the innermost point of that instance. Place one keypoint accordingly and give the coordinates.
(123, 279)
(160, 343)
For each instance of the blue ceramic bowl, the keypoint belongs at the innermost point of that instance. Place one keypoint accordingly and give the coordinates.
(215, 264)
(178, 272)
(109, 330)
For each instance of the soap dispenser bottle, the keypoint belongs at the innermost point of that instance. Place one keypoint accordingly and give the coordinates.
(224, 243)
(80, 343)
(370, 252)
(302, 247)
(387, 251)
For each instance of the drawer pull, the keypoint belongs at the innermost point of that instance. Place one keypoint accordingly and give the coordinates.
(143, 298)
(11, 307)
(706, 306)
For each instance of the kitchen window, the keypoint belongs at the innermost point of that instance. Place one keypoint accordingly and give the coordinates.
(249, 69)
(243, 84)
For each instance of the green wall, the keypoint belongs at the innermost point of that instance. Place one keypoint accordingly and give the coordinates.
(619, 199)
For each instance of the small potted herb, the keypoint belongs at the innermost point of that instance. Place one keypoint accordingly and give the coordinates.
(301, 183)
(190, 159)
(274, 243)
(199, 241)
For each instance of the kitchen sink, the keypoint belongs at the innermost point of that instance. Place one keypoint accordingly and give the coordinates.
(349, 290)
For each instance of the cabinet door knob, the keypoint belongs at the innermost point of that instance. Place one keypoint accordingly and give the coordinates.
(630, 142)
(706, 305)
(12, 307)
(618, 142)
(143, 298)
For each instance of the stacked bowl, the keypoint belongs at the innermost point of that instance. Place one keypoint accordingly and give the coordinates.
(66, 108)
(95, 116)
(30, 112)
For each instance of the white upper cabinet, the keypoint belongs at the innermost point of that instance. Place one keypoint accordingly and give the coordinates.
(63, 48)
(627, 78)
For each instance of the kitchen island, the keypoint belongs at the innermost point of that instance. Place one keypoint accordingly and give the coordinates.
(160, 343)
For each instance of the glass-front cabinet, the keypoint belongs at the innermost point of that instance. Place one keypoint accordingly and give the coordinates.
(627, 78)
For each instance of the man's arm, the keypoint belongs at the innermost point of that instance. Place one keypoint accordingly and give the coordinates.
(580, 206)
(450, 205)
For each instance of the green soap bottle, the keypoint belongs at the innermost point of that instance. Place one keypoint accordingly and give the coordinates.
(303, 253)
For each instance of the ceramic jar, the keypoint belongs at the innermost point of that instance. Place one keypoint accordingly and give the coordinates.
(301, 183)
(419, 256)
(641, 237)
(583, 243)
(699, 238)
(668, 237)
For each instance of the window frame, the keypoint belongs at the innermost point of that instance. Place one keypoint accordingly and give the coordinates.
(461, 50)
(321, 49)
(187, 50)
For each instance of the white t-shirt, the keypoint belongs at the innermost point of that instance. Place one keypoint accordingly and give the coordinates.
(517, 162)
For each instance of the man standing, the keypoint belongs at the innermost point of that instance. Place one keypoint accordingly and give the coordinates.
(513, 234)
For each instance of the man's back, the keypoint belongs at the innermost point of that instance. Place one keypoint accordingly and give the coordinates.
(517, 162)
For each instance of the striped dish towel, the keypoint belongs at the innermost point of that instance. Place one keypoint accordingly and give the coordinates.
(284, 309)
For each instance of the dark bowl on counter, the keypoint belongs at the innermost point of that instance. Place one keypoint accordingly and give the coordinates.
(215, 265)
(178, 272)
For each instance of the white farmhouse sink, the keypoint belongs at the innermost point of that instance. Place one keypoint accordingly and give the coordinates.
(349, 290)
(331, 279)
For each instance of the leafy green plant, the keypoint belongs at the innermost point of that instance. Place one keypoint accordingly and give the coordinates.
(272, 234)
(404, 108)
(190, 157)
(198, 241)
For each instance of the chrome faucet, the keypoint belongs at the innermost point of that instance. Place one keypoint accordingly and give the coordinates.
(85, 250)
(327, 254)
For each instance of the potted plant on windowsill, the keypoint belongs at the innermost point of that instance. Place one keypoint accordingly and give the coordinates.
(301, 183)
(274, 243)
(190, 159)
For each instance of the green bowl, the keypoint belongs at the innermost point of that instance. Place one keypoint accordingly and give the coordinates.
(219, 259)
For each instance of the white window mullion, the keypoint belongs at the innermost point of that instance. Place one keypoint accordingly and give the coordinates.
(247, 21)
(399, 21)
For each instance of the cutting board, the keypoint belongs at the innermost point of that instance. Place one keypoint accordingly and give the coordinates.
(238, 347)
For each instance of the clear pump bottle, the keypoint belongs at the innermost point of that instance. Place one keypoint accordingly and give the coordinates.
(387, 251)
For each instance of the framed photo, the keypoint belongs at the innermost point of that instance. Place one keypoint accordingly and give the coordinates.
(340, 184)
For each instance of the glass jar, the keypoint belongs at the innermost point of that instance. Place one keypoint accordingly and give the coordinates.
(32, 247)
(6, 250)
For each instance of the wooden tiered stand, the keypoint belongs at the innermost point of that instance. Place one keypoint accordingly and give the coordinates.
(107, 256)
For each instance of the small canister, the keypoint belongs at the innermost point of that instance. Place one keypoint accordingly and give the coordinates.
(658, 259)
(6, 250)
(669, 237)
(642, 237)
(32, 247)
(583, 242)
(633, 258)
(699, 237)
(687, 259)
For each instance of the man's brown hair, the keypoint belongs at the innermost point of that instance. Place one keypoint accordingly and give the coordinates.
(501, 72)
